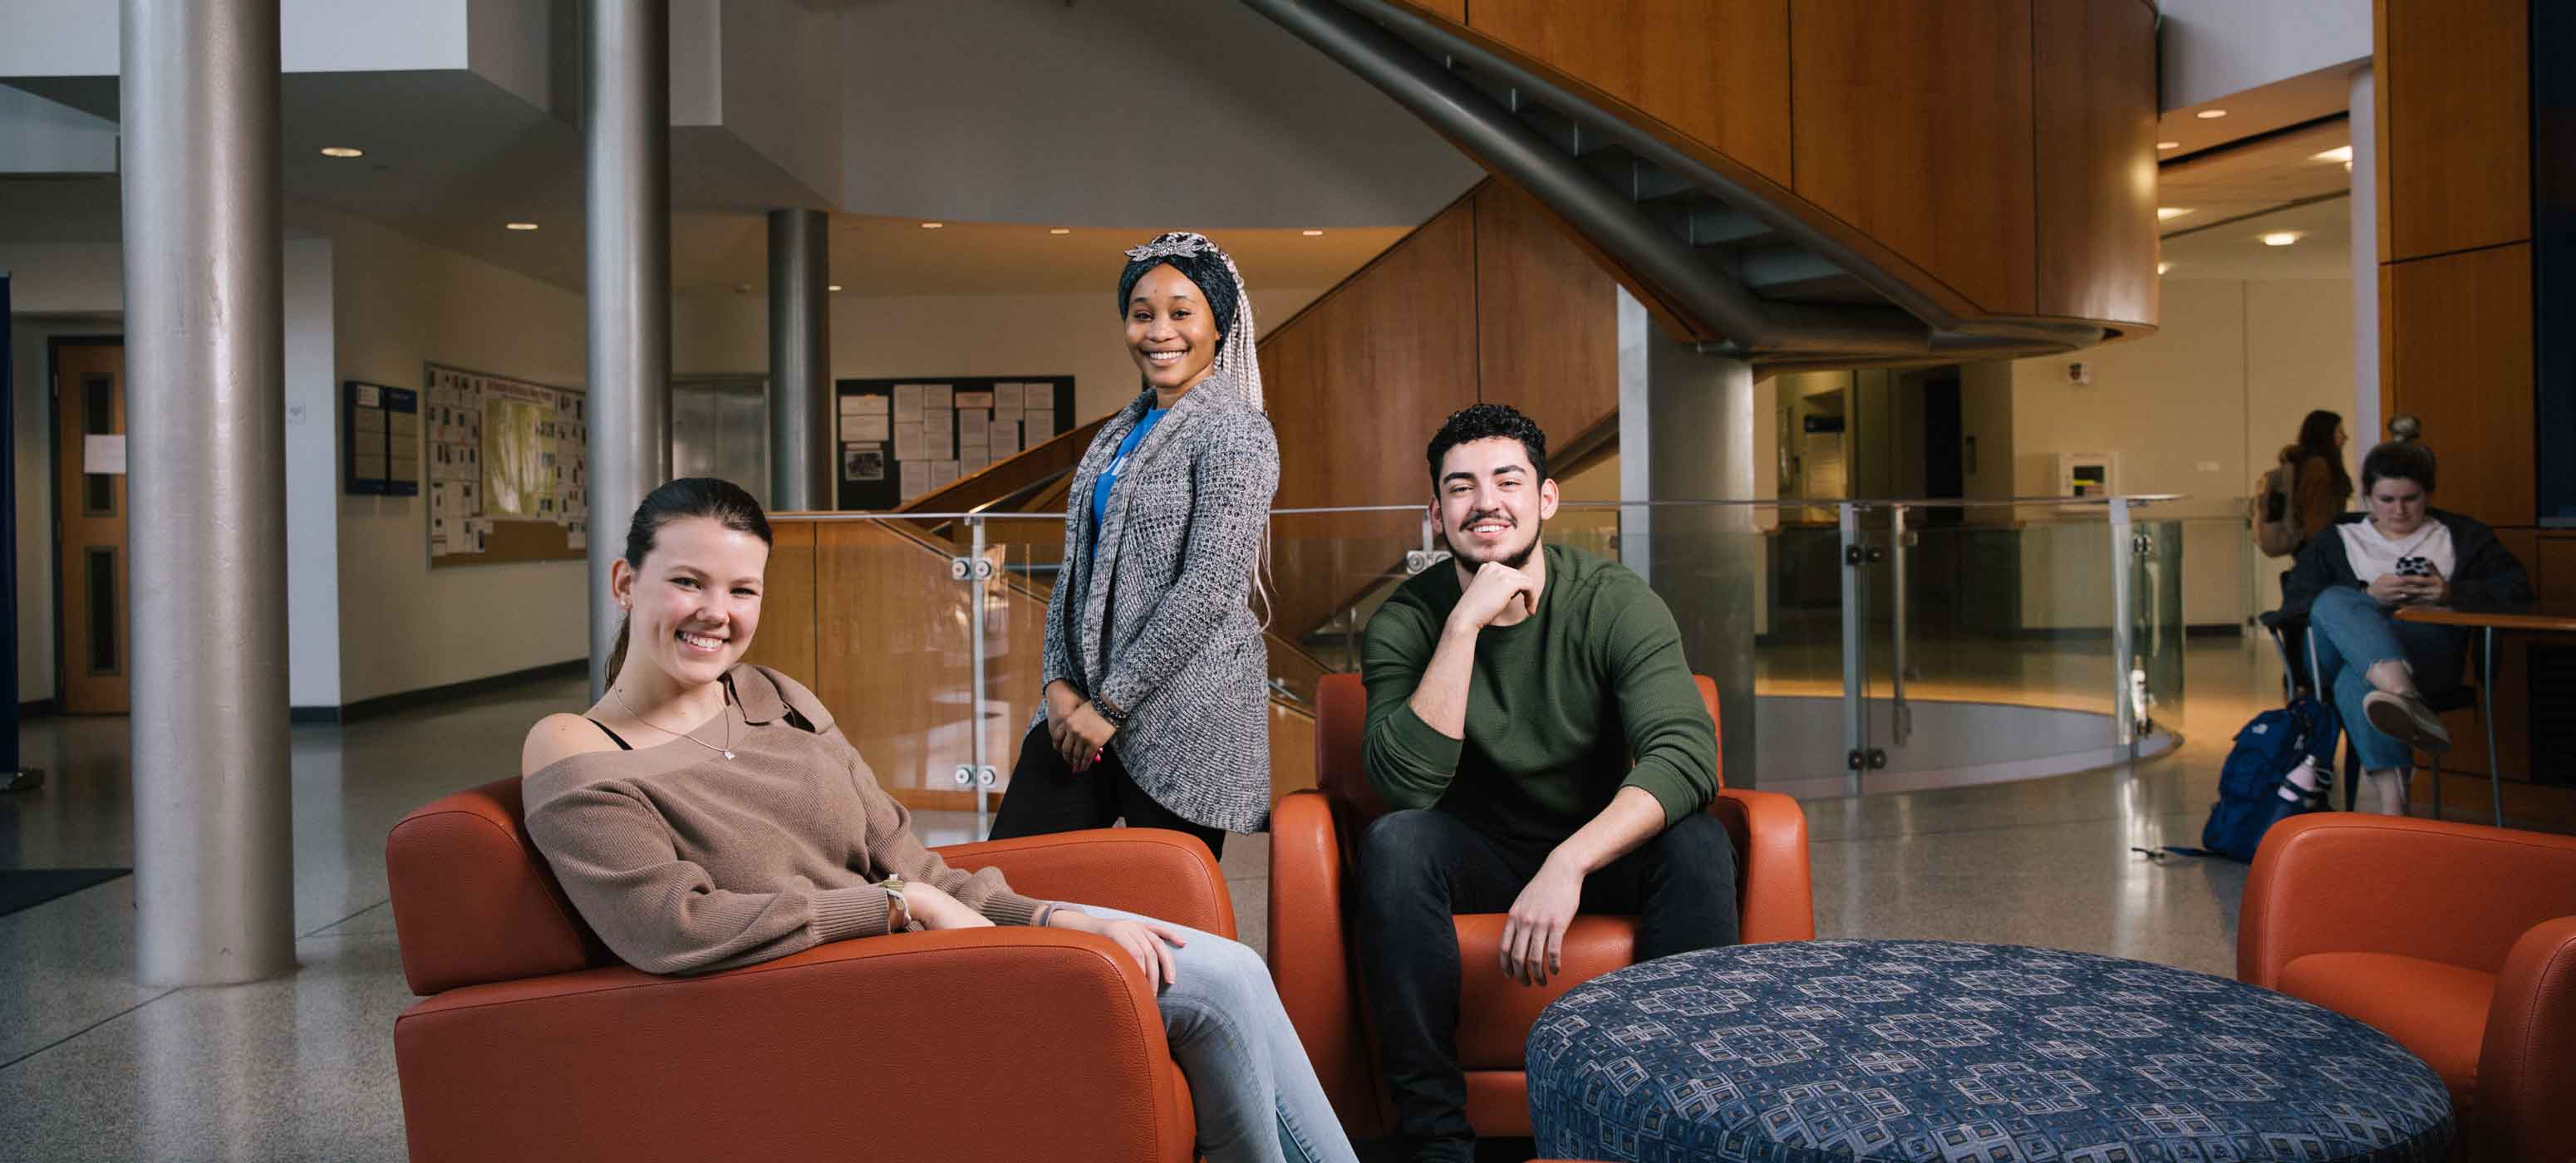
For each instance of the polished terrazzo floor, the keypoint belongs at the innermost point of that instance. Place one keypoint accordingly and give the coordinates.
(94, 1067)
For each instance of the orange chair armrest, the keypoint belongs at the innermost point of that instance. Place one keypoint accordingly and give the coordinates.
(803, 1055)
(2527, 1063)
(1774, 878)
(1159, 873)
(1310, 954)
(2336, 882)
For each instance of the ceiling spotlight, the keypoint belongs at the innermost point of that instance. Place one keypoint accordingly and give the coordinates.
(2281, 238)
(2169, 213)
(2210, 114)
(2168, 145)
(1312, 233)
(1060, 230)
(2162, 267)
(342, 151)
(2340, 153)
(518, 225)
(833, 287)
(933, 225)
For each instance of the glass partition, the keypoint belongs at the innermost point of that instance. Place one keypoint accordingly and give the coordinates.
(1858, 645)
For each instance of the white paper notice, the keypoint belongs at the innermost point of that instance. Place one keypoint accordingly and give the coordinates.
(1003, 438)
(103, 454)
(970, 464)
(1006, 396)
(867, 428)
(908, 444)
(872, 404)
(973, 428)
(938, 395)
(943, 473)
(938, 442)
(916, 479)
(1041, 426)
(907, 398)
(966, 400)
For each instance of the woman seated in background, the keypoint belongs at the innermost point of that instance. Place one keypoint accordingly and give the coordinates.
(707, 814)
(2321, 487)
(2349, 580)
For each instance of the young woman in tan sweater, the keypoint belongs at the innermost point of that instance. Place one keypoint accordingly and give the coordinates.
(707, 814)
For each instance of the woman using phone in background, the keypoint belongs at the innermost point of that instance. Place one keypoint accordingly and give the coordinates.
(2352, 576)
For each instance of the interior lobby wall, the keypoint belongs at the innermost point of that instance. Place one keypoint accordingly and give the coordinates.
(403, 626)
(2200, 408)
(935, 335)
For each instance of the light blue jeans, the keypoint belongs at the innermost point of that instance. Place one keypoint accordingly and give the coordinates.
(2350, 634)
(1256, 1095)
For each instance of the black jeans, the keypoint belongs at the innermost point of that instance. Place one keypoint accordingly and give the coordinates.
(1419, 868)
(1048, 795)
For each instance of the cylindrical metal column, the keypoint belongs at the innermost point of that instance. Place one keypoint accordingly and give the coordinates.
(627, 212)
(214, 877)
(801, 458)
(2364, 205)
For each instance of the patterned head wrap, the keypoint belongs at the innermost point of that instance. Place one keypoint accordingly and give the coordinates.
(1237, 369)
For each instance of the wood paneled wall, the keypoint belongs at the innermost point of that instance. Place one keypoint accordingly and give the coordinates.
(1490, 300)
(1998, 155)
(1711, 69)
(2453, 84)
(2456, 339)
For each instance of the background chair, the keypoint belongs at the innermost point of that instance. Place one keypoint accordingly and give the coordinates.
(1314, 835)
(2457, 940)
(2290, 638)
(535, 1043)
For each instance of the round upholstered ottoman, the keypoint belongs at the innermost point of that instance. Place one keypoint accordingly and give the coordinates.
(1937, 1050)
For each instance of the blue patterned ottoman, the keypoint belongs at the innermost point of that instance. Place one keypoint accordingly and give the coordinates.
(1938, 1050)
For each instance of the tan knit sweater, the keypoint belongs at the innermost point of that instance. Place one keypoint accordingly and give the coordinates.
(686, 862)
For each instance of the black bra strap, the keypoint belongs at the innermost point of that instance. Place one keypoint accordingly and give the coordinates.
(622, 745)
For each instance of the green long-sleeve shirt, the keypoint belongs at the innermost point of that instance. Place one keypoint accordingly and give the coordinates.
(1556, 706)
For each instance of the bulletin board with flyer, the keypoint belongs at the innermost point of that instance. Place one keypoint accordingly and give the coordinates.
(505, 467)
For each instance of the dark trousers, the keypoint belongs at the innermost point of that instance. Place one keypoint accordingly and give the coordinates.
(1048, 795)
(1419, 868)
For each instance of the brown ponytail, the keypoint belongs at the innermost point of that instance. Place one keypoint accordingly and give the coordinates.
(617, 653)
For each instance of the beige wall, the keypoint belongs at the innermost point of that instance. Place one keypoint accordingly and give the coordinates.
(2200, 409)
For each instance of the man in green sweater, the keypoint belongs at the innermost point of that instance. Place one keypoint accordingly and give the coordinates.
(1533, 723)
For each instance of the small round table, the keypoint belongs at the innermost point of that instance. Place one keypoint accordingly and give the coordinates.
(1939, 1050)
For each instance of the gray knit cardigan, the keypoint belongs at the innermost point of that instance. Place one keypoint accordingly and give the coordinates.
(1178, 648)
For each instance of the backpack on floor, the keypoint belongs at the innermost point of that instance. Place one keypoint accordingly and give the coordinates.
(2275, 519)
(2254, 787)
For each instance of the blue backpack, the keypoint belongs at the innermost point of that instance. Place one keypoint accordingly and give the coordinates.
(2250, 786)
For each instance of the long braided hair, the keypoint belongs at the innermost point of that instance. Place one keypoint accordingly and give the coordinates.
(1236, 373)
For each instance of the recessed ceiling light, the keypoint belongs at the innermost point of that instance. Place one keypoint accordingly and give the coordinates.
(833, 287)
(518, 225)
(2168, 145)
(1060, 230)
(2210, 114)
(1312, 233)
(2340, 153)
(342, 151)
(2281, 238)
(933, 225)
(2162, 267)
(2168, 213)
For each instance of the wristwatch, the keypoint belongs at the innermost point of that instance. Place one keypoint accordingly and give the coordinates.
(898, 914)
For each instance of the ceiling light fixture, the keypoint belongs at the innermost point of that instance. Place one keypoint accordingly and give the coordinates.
(2162, 267)
(1312, 233)
(2340, 153)
(518, 226)
(2281, 238)
(833, 287)
(2169, 213)
(2168, 145)
(342, 151)
(1060, 230)
(933, 225)
(2210, 114)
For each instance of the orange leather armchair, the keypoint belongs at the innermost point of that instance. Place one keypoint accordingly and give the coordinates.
(1313, 837)
(2457, 940)
(535, 1043)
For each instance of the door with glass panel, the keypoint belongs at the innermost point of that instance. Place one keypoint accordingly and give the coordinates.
(89, 490)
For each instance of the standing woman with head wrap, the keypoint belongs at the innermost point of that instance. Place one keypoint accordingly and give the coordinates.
(1156, 705)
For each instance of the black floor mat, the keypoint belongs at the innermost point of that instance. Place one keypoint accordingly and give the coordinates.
(22, 888)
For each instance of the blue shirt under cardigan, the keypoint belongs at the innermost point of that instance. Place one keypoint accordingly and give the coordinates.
(1109, 478)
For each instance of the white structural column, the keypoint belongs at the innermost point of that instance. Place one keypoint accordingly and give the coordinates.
(627, 196)
(802, 468)
(1686, 434)
(2366, 422)
(214, 875)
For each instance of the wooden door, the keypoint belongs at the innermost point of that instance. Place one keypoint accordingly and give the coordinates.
(89, 401)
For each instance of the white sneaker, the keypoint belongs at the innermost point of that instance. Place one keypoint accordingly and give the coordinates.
(2406, 718)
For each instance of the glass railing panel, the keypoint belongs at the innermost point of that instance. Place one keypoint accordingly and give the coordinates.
(892, 658)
